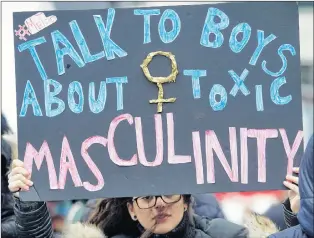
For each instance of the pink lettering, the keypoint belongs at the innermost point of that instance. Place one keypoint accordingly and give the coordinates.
(244, 155)
(159, 142)
(212, 143)
(291, 151)
(31, 154)
(111, 148)
(90, 163)
(198, 157)
(66, 166)
(209, 158)
(262, 135)
(172, 158)
(234, 152)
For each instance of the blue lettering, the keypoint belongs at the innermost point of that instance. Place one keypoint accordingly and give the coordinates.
(96, 106)
(234, 44)
(30, 45)
(218, 89)
(81, 42)
(283, 59)
(50, 98)
(239, 83)
(105, 31)
(196, 74)
(146, 14)
(211, 27)
(30, 98)
(76, 87)
(118, 81)
(260, 45)
(274, 92)
(259, 98)
(168, 37)
(58, 37)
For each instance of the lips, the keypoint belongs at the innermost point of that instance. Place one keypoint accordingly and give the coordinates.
(161, 217)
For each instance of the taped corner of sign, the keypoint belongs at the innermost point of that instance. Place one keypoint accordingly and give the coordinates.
(38, 22)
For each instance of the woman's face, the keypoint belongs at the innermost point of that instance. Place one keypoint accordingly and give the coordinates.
(161, 218)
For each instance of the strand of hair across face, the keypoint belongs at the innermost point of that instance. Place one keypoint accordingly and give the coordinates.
(147, 233)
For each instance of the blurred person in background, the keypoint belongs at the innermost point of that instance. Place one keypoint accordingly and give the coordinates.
(206, 205)
(58, 212)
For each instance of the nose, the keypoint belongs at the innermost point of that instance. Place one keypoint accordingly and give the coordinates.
(160, 202)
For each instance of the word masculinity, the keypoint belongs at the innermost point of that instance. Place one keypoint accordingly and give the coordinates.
(67, 161)
(63, 47)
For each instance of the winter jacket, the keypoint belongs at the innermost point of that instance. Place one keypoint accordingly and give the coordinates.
(8, 228)
(306, 213)
(290, 218)
(275, 213)
(216, 228)
(205, 229)
(207, 205)
(282, 215)
(258, 226)
(79, 230)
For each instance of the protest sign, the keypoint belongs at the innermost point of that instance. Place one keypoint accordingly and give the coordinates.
(162, 100)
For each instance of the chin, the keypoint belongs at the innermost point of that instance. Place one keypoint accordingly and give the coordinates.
(163, 229)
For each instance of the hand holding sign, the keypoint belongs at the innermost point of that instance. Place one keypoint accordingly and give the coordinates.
(19, 178)
(292, 182)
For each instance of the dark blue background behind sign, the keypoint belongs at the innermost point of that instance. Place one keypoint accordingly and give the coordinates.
(278, 18)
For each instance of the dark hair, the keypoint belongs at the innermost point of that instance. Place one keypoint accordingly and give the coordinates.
(5, 128)
(112, 217)
(6, 158)
(6, 153)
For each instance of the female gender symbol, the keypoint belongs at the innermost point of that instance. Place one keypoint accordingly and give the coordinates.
(160, 80)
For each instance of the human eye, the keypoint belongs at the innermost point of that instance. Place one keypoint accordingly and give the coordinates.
(147, 198)
(169, 196)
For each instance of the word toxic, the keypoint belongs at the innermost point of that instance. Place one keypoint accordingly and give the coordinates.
(239, 85)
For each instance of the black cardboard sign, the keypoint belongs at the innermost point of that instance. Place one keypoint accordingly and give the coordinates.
(221, 111)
